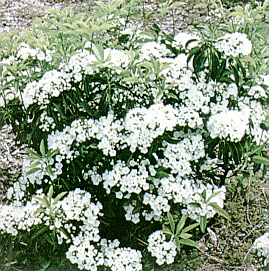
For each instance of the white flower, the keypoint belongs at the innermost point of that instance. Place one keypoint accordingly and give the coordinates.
(234, 44)
(120, 259)
(182, 38)
(257, 92)
(153, 49)
(230, 124)
(164, 251)
(50, 85)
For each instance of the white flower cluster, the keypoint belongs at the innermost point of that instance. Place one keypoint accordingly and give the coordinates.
(76, 205)
(47, 122)
(85, 62)
(230, 124)
(50, 85)
(258, 115)
(204, 208)
(15, 216)
(159, 205)
(25, 51)
(261, 244)
(183, 191)
(139, 128)
(257, 92)
(181, 39)
(106, 130)
(164, 251)
(80, 63)
(131, 215)
(110, 255)
(178, 156)
(120, 259)
(17, 191)
(143, 125)
(234, 44)
(127, 179)
(85, 255)
(154, 49)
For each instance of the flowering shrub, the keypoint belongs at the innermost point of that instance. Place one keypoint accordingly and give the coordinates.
(125, 126)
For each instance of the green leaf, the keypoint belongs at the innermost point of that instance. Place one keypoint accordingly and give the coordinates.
(235, 151)
(204, 195)
(189, 242)
(50, 193)
(49, 239)
(33, 155)
(185, 235)
(38, 211)
(40, 231)
(42, 201)
(165, 230)
(260, 160)
(93, 146)
(195, 204)
(219, 210)
(131, 79)
(177, 4)
(170, 139)
(213, 195)
(181, 224)
(193, 52)
(66, 233)
(42, 148)
(98, 52)
(203, 223)
(34, 165)
(46, 201)
(201, 6)
(31, 171)
(60, 111)
(171, 222)
(190, 227)
(61, 195)
(49, 170)
(162, 174)
(51, 154)
(173, 96)
(45, 265)
(178, 244)
(235, 14)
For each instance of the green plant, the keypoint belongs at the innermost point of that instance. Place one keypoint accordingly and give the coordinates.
(41, 161)
(211, 205)
(126, 126)
(180, 233)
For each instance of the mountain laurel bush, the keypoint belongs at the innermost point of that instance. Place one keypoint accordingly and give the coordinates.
(125, 126)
